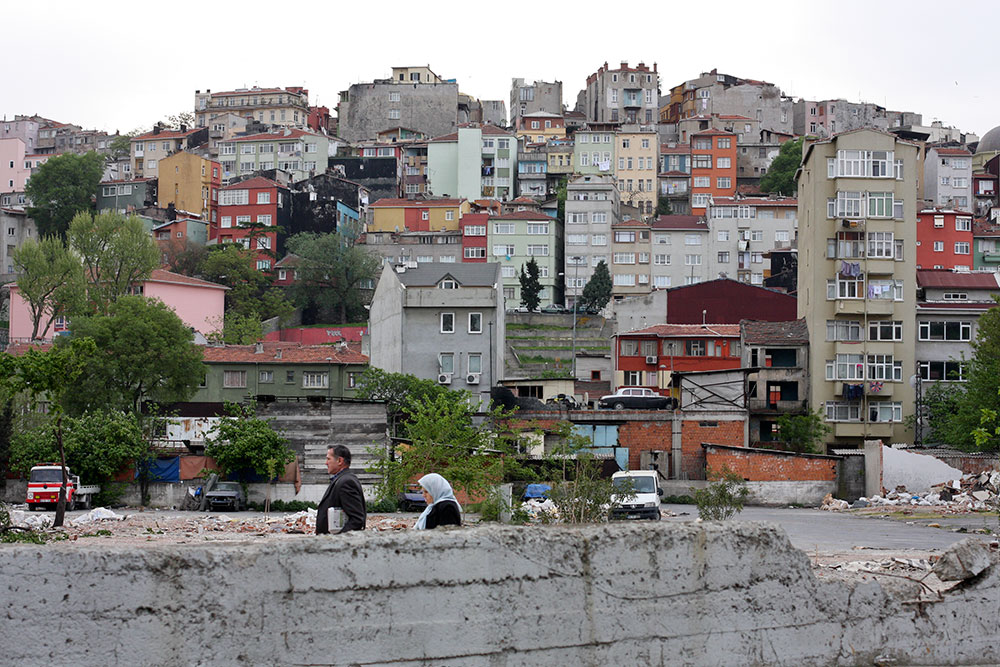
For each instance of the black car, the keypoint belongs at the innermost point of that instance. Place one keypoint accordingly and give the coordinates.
(412, 499)
(635, 398)
(227, 495)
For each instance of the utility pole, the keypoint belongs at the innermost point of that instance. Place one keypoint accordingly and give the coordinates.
(576, 306)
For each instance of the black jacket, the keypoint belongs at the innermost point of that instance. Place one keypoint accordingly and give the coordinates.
(344, 492)
(445, 513)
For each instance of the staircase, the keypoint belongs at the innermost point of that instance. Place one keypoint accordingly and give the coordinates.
(312, 427)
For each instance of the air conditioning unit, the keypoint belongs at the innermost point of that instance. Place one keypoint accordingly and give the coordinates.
(651, 359)
(444, 378)
(472, 378)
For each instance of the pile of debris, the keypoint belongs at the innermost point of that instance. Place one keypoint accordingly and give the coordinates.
(970, 493)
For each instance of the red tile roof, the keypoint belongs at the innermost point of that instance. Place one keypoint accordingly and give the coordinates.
(167, 134)
(695, 222)
(389, 202)
(682, 149)
(475, 218)
(794, 332)
(985, 229)
(291, 353)
(754, 201)
(688, 330)
(950, 151)
(255, 182)
(163, 276)
(487, 131)
(275, 136)
(713, 131)
(521, 215)
(946, 278)
(674, 174)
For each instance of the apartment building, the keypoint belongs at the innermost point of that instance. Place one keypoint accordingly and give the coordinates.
(856, 281)
(713, 168)
(539, 127)
(14, 169)
(948, 177)
(637, 155)
(679, 249)
(592, 209)
(416, 215)
(148, 149)
(273, 106)
(17, 228)
(594, 152)
(776, 355)
(630, 258)
(300, 153)
(538, 96)
(744, 230)
(675, 176)
(722, 94)
(516, 238)
(623, 95)
(191, 184)
(476, 162)
(250, 213)
(126, 195)
(986, 237)
(944, 239)
(826, 118)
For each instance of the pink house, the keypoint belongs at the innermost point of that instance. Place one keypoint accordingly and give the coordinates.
(14, 169)
(199, 303)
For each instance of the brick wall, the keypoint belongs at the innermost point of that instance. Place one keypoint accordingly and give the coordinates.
(967, 463)
(768, 465)
(695, 432)
(643, 437)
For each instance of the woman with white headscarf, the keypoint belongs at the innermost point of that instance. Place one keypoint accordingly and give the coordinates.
(442, 508)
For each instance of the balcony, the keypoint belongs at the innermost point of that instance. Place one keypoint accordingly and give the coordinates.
(861, 429)
(881, 267)
(991, 257)
(858, 306)
(781, 407)
(885, 392)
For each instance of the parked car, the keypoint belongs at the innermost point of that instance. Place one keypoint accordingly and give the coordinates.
(639, 495)
(555, 308)
(563, 400)
(227, 495)
(636, 398)
(412, 499)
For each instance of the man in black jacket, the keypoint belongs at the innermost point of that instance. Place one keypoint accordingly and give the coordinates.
(344, 492)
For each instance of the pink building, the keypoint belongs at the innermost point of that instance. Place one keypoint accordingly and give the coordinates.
(13, 170)
(199, 303)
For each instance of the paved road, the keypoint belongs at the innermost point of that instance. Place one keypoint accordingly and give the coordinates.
(814, 530)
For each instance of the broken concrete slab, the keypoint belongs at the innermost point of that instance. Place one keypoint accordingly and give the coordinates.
(964, 560)
(917, 472)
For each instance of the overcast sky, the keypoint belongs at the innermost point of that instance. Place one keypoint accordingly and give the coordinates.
(122, 65)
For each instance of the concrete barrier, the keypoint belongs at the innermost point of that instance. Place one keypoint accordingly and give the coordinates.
(622, 594)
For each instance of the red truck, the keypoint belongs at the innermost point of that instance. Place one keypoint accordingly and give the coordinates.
(43, 488)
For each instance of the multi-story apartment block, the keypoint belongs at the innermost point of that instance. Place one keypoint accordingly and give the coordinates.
(949, 305)
(723, 94)
(637, 156)
(623, 95)
(223, 128)
(273, 106)
(987, 245)
(126, 195)
(944, 239)
(14, 169)
(592, 208)
(24, 128)
(191, 184)
(516, 238)
(475, 241)
(417, 215)
(713, 168)
(17, 228)
(559, 165)
(986, 186)
(532, 173)
(539, 127)
(744, 231)
(675, 176)
(412, 97)
(300, 153)
(250, 213)
(679, 249)
(538, 96)
(476, 162)
(828, 117)
(149, 148)
(594, 152)
(776, 355)
(856, 283)
(630, 258)
(412, 249)
(948, 177)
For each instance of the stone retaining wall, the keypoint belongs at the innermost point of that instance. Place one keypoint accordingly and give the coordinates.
(622, 594)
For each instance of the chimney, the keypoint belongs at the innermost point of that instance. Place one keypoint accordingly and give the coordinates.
(184, 128)
(156, 129)
(624, 64)
(258, 347)
(277, 355)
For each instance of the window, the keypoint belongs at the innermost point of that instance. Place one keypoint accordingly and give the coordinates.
(508, 272)
(781, 236)
(953, 331)
(264, 220)
(263, 243)
(265, 377)
(756, 234)
(955, 296)
(503, 228)
(951, 371)
(263, 197)
(939, 246)
(881, 245)
(475, 230)
(447, 322)
(725, 142)
(882, 367)
(624, 279)
(851, 287)
(661, 260)
(315, 380)
(425, 215)
(891, 330)
(538, 251)
(234, 197)
(880, 204)
(883, 411)
(694, 348)
(538, 228)
(692, 260)
(963, 224)
(226, 221)
(692, 239)
(234, 379)
(700, 200)
(840, 411)
(475, 323)
(723, 163)
(576, 239)
(262, 264)
(242, 220)
(446, 283)
(475, 253)
(624, 258)
(843, 330)
(475, 362)
(723, 183)
(846, 367)
(701, 182)
(630, 348)
(576, 217)
(701, 161)
(849, 204)
(723, 257)
(962, 248)
(599, 239)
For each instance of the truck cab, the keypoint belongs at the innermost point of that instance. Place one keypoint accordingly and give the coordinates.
(44, 481)
(640, 497)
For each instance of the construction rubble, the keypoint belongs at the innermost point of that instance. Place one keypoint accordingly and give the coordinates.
(970, 493)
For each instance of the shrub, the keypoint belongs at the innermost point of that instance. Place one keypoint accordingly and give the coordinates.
(723, 498)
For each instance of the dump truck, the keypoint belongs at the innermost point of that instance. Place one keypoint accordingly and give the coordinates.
(43, 488)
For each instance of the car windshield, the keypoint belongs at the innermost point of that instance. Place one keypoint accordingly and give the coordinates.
(638, 484)
(227, 486)
(46, 476)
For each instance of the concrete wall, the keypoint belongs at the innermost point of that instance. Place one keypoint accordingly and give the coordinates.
(766, 465)
(720, 594)
(809, 493)
(431, 108)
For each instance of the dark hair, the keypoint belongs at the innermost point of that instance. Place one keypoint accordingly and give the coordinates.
(343, 452)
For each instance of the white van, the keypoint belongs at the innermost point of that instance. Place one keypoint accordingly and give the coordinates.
(645, 501)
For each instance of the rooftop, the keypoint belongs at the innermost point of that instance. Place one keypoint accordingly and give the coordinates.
(688, 330)
(276, 136)
(521, 215)
(389, 202)
(794, 332)
(290, 353)
(255, 182)
(467, 275)
(167, 134)
(947, 278)
(695, 222)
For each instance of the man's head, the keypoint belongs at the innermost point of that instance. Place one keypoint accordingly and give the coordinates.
(338, 457)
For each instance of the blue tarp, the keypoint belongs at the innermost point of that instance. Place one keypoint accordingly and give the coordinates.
(537, 491)
(164, 470)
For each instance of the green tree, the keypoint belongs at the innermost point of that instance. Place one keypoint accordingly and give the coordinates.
(397, 390)
(144, 352)
(561, 194)
(50, 280)
(6, 433)
(332, 269)
(530, 285)
(597, 291)
(244, 442)
(117, 254)
(121, 145)
(803, 433)
(780, 176)
(175, 120)
(723, 498)
(238, 329)
(62, 187)
(663, 206)
(251, 292)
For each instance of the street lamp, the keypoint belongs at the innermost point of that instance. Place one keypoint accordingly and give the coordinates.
(576, 306)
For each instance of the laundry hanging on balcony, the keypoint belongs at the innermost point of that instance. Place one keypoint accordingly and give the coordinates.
(850, 269)
(875, 387)
(853, 391)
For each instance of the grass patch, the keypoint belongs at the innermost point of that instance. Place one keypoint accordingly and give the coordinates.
(527, 337)
(539, 359)
(538, 327)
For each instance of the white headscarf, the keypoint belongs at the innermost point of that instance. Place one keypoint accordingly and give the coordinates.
(440, 489)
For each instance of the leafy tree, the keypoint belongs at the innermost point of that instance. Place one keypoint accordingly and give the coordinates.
(144, 352)
(332, 268)
(121, 145)
(180, 118)
(780, 176)
(62, 187)
(723, 498)
(530, 285)
(397, 390)
(238, 329)
(663, 206)
(242, 441)
(6, 433)
(50, 280)
(251, 292)
(597, 291)
(183, 257)
(561, 194)
(117, 253)
(803, 433)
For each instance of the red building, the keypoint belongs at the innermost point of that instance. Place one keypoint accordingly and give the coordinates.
(728, 301)
(319, 119)
(249, 213)
(474, 229)
(713, 167)
(648, 357)
(944, 239)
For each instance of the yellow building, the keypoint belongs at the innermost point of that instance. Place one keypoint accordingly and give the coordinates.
(191, 183)
(417, 215)
(637, 153)
(540, 126)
